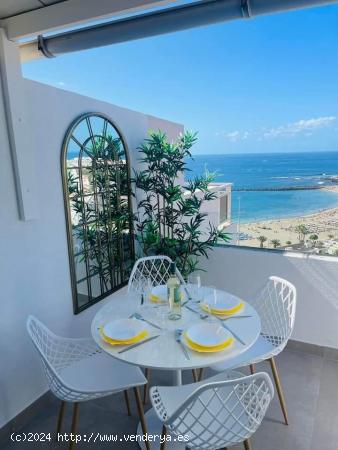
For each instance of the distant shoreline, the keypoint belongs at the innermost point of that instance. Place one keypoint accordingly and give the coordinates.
(333, 188)
(290, 214)
(323, 223)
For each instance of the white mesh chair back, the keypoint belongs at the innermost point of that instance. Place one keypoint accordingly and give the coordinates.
(219, 414)
(276, 306)
(153, 268)
(57, 353)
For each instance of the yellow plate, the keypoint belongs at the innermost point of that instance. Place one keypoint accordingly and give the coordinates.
(202, 349)
(224, 312)
(156, 299)
(137, 338)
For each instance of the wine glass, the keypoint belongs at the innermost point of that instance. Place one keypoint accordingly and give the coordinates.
(162, 313)
(194, 286)
(145, 288)
(211, 303)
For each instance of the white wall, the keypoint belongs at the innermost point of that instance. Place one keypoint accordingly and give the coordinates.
(34, 270)
(243, 271)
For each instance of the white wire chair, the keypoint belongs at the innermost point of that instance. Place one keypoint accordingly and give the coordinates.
(219, 412)
(276, 306)
(78, 371)
(153, 268)
(157, 270)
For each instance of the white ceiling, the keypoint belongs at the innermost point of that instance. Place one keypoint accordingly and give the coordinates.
(26, 19)
(9, 8)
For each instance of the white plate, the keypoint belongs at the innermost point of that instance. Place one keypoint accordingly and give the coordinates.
(123, 329)
(223, 301)
(208, 334)
(160, 292)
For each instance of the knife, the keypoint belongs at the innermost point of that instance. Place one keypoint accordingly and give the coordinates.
(202, 316)
(234, 335)
(138, 343)
(178, 334)
(187, 292)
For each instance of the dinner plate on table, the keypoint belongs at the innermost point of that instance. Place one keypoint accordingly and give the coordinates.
(208, 335)
(159, 294)
(124, 329)
(224, 304)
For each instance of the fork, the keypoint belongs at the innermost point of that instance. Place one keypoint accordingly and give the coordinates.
(202, 316)
(178, 334)
(139, 317)
(235, 317)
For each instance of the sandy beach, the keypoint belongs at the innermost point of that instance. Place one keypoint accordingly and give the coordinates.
(323, 223)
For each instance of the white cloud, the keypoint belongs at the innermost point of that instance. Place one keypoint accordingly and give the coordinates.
(305, 127)
(300, 127)
(235, 136)
(61, 83)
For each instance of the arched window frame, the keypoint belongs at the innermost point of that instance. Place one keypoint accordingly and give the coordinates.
(69, 224)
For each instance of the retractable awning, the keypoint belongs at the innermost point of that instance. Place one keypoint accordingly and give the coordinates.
(158, 22)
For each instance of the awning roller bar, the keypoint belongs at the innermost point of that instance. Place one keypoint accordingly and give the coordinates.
(154, 23)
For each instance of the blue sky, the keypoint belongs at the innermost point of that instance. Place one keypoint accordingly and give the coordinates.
(264, 85)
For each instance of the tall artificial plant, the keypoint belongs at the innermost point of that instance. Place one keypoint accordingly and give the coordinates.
(99, 226)
(169, 220)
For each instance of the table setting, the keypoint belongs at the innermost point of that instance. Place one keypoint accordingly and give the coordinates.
(208, 325)
(190, 327)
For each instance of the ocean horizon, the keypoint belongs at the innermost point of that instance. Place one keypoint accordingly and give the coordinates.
(273, 171)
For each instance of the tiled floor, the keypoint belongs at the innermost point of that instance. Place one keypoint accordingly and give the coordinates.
(311, 389)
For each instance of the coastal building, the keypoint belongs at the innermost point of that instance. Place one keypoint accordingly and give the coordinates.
(218, 210)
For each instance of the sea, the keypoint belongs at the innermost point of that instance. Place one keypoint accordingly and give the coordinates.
(271, 171)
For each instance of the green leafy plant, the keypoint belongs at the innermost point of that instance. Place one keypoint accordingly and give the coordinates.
(302, 231)
(275, 243)
(169, 220)
(101, 217)
(314, 238)
(262, 239)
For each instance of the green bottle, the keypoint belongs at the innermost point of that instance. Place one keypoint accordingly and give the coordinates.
(174, 294)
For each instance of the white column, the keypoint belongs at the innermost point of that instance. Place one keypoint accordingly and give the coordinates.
(19, 135)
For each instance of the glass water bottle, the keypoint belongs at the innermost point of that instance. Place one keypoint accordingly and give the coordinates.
(174, 294)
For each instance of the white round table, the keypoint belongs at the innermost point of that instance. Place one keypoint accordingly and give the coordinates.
(164, 353)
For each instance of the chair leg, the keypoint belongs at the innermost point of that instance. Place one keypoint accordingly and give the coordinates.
(163, 435)
(252, 369)
(146, 386)
(279, 389)
(200, 376)
(141, 415)
(60, 417)
(194, 375)
(74, 424)
(126, 398)
(247, 444)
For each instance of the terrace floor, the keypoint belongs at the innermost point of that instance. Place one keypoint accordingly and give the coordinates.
(310, 384)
